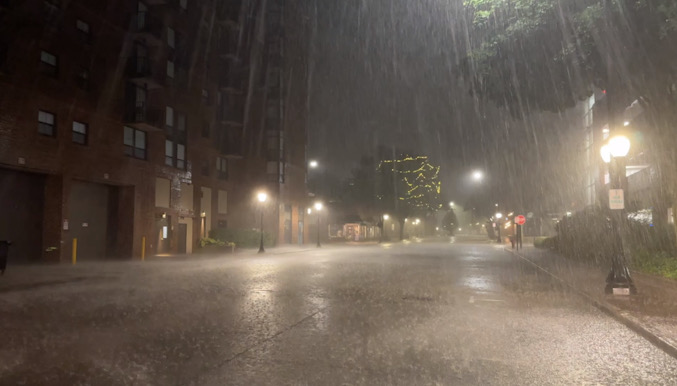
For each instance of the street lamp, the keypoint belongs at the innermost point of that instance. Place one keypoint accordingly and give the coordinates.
(318, 208)
(498, 225)
(262, 197)
(613, 153)
(477, 175)
(385, 218)
(313, 164)
(451, 204)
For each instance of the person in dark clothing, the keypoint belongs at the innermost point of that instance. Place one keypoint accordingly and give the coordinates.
(4, 251)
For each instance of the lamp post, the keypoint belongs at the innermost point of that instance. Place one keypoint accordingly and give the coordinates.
(498, 226)
(385, 218)
(262, 197)
(313, 165)
(318, 208)
(618, 280)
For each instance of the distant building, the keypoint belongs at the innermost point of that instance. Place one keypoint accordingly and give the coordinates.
(140, 126)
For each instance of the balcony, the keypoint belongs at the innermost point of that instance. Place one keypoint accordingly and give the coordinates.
(230, 143)
(228, 12)
(234, 80)
(140, 71)
(147, 28)
(231, 110)
(140, 116)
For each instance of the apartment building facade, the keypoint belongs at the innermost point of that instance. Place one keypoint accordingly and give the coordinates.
(136, 127)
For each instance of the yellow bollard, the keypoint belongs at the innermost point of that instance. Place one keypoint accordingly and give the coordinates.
(143, 248)
(75, 251)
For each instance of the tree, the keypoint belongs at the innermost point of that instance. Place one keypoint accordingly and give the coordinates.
(528, 55)
(408, 186)
(450, 222)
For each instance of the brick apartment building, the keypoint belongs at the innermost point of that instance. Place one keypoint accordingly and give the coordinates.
(136, 125)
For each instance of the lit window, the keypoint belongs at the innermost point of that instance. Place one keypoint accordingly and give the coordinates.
(46, 123)
(80, 133)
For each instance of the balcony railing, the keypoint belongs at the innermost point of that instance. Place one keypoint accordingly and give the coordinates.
(231, 141)
(140, 70)
(229, 11)
(147, 27)
(138, 114)
(232, 110)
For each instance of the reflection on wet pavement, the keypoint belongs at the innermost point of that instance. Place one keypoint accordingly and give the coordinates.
(405, 314)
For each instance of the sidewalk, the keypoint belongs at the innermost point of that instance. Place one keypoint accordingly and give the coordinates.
(652, 313)
(23, 277)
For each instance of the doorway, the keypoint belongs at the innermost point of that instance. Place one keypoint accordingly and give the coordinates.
(183, 235)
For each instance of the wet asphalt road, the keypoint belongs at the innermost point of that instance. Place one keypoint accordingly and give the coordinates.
(417, 314)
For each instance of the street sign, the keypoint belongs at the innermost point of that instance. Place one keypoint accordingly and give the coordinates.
(520, 220)
(616, 200)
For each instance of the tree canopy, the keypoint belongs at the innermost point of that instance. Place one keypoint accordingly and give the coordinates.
(530, 55)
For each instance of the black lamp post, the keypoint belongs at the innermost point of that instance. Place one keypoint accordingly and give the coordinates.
(318, 208)
(498, 226)
(383, 234)
(262, 197)
(618, 281)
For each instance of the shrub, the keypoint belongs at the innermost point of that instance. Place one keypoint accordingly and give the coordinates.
(545, 242)
(655, 263)
(243, 238)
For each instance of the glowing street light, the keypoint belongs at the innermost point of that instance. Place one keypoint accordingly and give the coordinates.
(498, 227)
(477, 175)
(262, 197)
(619, 146)
(313, 164)
(383, 227)
(451, 204)
(613, 153)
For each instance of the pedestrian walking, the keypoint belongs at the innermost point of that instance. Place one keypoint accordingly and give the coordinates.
(4, 251)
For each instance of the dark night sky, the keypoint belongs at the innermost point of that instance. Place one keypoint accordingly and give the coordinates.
(382, 73)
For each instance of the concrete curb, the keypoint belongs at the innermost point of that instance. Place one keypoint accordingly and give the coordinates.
(611, 310)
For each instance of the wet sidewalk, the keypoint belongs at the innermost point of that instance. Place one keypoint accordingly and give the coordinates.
(652, 312)
(23, 277)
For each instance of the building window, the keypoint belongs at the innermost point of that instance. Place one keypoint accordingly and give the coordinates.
(205, 168)
(83, 29)
(49, 64)
(183, 4)
(180, 156)
(171, 37)
(169, 153)
(222, 168)
(135, 143)
(46, 123)
(205, 97)
(222, 202)
(206, 130)
(82, 79)
(175, 154)
(80, 133)
(170, 69)
(169, 118)
(182, 122)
